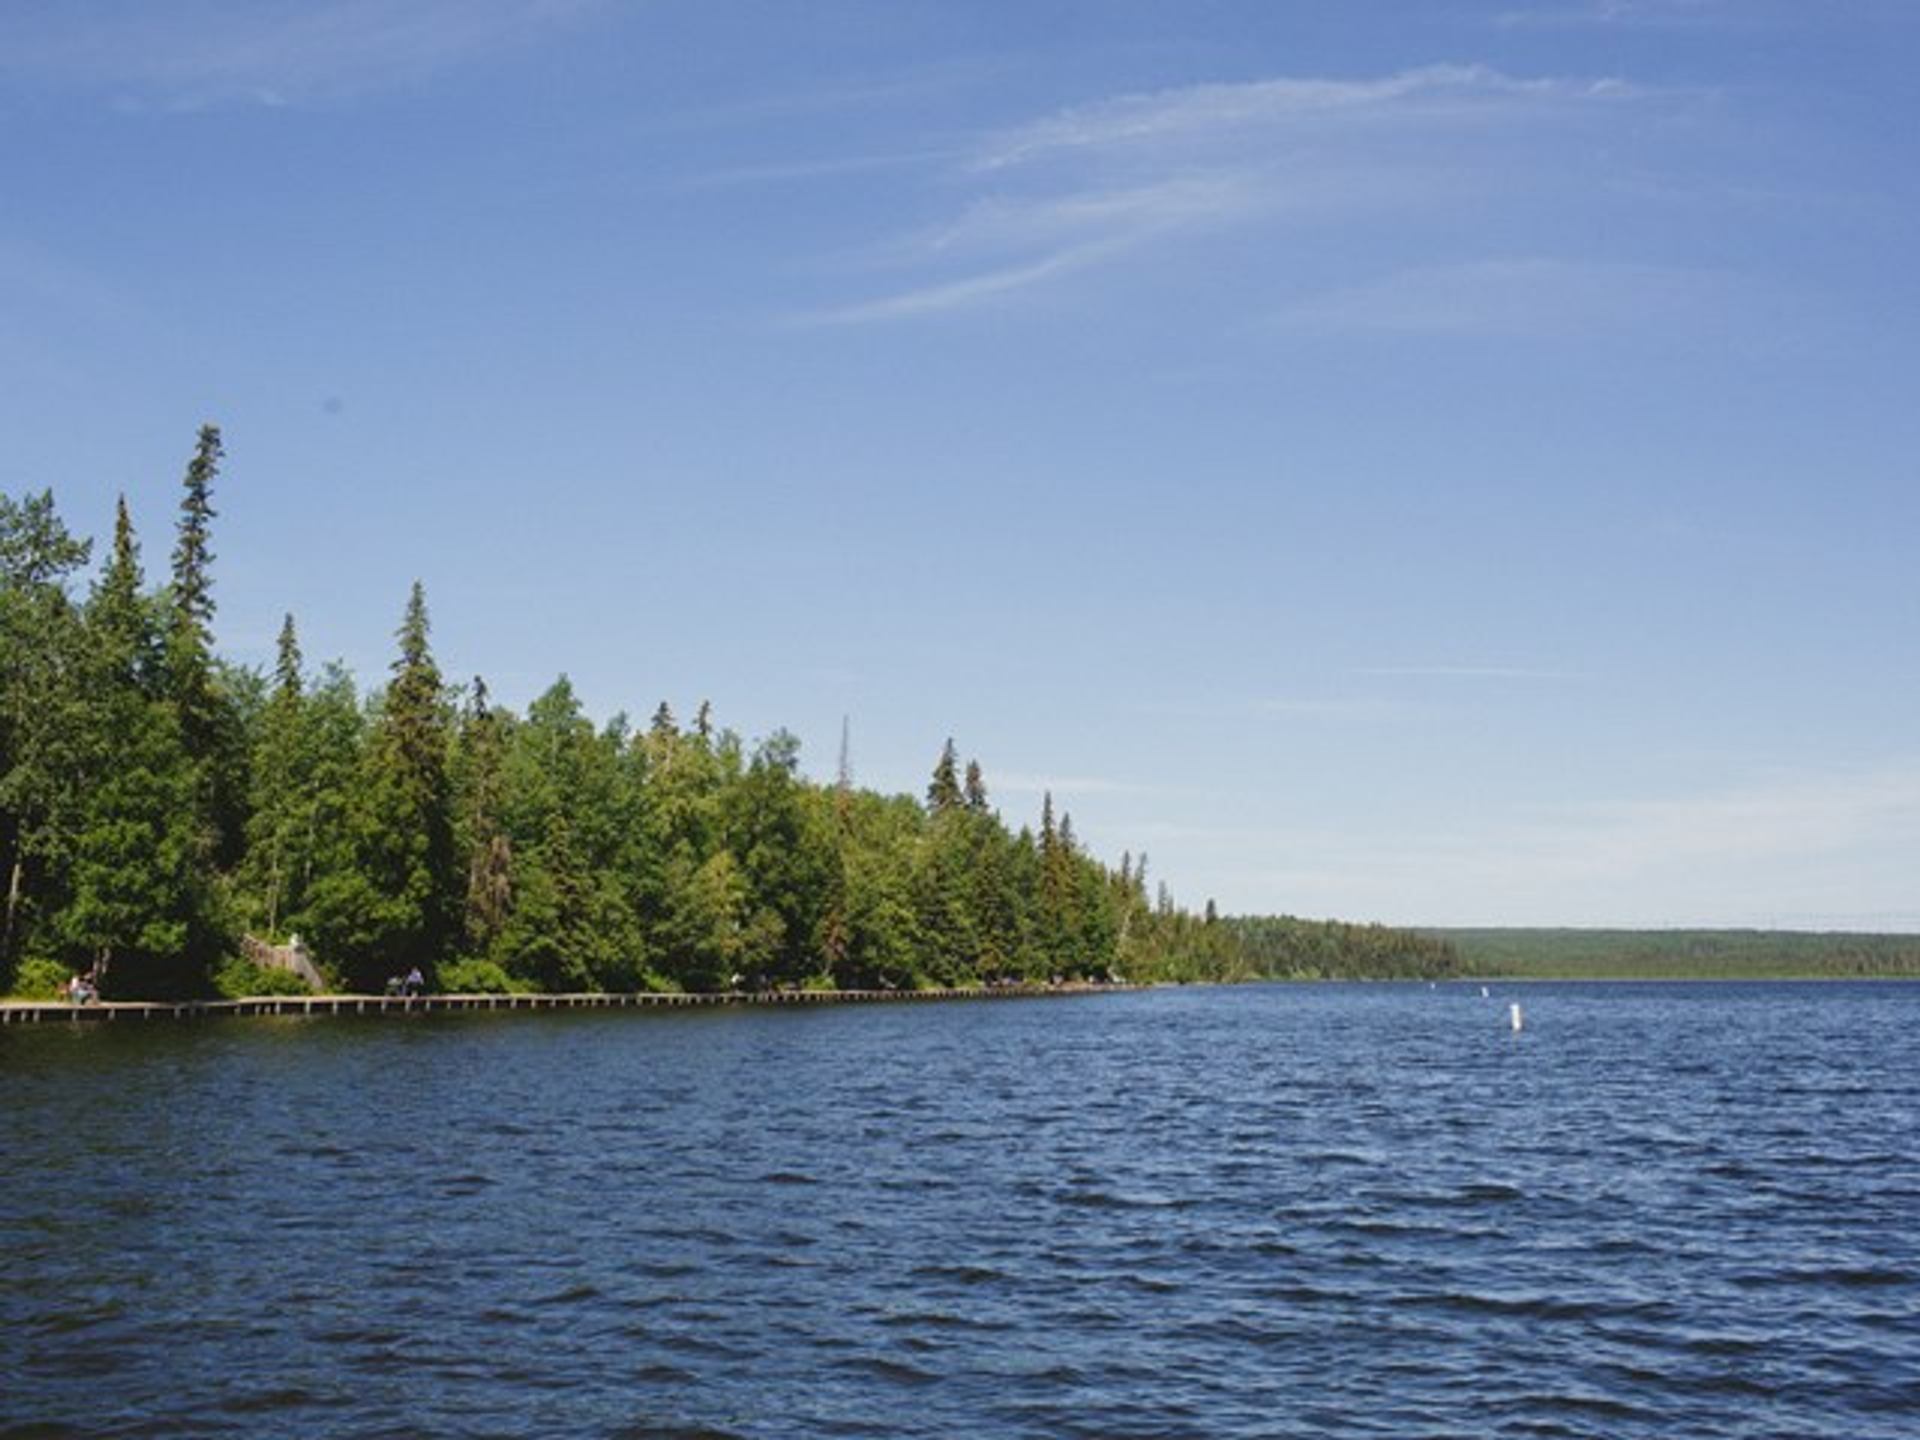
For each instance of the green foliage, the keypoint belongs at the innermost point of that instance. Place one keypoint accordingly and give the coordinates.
(38, 978)
(943, 791)
(1285, 948)
(478, 774)
(477, 977)
(193, 552)
(212, 726)
(154, 801)
(140, 905)
(44, 719)
(394, 900)
(237, 979)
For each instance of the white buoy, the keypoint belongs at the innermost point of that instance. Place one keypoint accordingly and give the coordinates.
(1483, 992)
(1514, 1011)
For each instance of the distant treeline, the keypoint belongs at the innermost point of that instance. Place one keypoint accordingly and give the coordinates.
(1683, 954)
(159, 804)
(1280, 947)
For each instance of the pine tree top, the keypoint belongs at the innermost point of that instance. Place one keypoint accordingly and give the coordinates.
(413, 632)
(943, 791)
(116, 607)
(286, 665)
(192, 551)
(976, 788)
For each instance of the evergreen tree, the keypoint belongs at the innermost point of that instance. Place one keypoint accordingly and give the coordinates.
(976, 789)
(323, 859)
(140, 903)
(42, 711)
(549, 938)
(943, 899)
(943, 791)
(398, 904)
(1053, 911)
(193, 552)
(995, 906)
(209, 725)
(143, 783)
(573, 922)
(280, 822)
(483, 838)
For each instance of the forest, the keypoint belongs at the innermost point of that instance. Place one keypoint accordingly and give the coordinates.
(1547, 954)
(158, 804)
(1282, 947)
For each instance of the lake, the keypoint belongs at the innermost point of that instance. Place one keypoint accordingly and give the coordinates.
(1658, 1210)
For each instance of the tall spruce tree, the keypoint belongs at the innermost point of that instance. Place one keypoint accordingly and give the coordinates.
(193, 546)
(1054, 910)
(942, 898)
(280, 820)
(995, 907)
(397, 904)
(140, 901)
(482, 832)
(943, 791)
(572, 920)
(976, 789)
(209, 723)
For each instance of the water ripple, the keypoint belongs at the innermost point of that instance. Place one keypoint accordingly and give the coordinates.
(1363, 1211)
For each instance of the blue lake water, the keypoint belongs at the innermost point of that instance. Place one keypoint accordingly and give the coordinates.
(1659, 1210)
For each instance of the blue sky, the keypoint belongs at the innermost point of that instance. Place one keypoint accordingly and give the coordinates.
(1431, 462)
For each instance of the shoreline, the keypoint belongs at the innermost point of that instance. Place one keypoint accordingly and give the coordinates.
(30, 1012)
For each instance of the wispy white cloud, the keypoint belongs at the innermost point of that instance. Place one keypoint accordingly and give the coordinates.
(1003, 222)
(1145, 175)
(955, 294)
(262, 52)
(1036, 239)
(1211, 114)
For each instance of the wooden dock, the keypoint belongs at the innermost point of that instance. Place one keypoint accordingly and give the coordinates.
(42, 1011)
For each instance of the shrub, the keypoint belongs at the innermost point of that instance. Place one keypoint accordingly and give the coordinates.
(476, 977)
(41, 979)
(237, 979)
